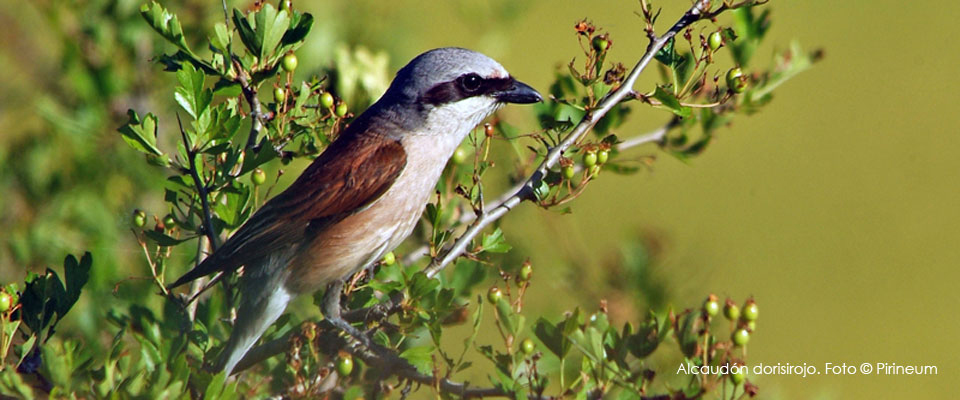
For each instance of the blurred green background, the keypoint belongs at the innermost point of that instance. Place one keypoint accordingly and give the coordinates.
(836, 206)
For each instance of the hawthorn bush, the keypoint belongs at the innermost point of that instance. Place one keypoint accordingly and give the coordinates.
(243, 118)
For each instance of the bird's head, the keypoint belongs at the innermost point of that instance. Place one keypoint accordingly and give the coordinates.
(455, 86)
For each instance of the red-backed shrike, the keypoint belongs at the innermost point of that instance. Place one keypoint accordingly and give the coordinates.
(362, 196)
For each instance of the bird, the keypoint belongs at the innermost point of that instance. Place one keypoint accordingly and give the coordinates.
(362, 196)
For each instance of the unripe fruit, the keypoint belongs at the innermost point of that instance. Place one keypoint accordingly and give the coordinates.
(750, 311)
(526, 272)
(595, 170)
(603, 156)
(290, 62)
(731, 311)
(326, 100)
(711, 306)
(568, 171)
(460, 155)
(590, 158)
(527, 346)
(494, 295)
(740, 337)
(341, 109)
(258, 177)
(279, 95)
(735, 80)
(6, 301)
(345, 365)
(601, 43)
(737, 377)
(389, 259)
(715, 40)
(169, 221)
(139, 218)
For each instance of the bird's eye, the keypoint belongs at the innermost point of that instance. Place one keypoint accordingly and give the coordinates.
(471, 83)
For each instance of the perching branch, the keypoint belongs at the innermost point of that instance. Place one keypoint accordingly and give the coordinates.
(699, 10)
(654, 136)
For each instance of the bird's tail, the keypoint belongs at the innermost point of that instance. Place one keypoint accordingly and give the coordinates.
(263, 300)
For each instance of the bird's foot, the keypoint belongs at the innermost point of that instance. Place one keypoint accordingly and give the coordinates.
(331, 312)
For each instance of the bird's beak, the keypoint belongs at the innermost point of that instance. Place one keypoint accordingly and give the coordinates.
(519, 93)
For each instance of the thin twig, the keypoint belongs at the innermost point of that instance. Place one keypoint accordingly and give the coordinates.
(256, 112)
(201, 188)
(653, 136)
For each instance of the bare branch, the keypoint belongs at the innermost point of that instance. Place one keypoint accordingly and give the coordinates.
(699, 10)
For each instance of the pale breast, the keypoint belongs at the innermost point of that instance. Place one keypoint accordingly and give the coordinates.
(364, 237)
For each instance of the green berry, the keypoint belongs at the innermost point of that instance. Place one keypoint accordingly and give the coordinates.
(715, 40)
(740, 337)
(326, 100)
(527, 346)
(595, 170)
(290, 62)
(590, 158)
(568, 171)
(341, 109)
(286, 5)
(460, 155)
(6, 301)
(389, 259)
(711, 306)
(752, 326)
(750, 311)
(169, 221)
(731, 311)
(345, 365)
(736, 81)
(279, 95)
(139, 218)
(494, 295)
(258, 177)
(526, 272)
(601, 43)
(737, 377)
(603, 156)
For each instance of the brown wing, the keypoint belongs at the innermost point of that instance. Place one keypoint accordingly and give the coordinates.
(349, 176)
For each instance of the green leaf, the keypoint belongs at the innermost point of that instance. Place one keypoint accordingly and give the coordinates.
(420, 358)
(141, 134)
(247, 35)
(495, 243)
(76, 274)
(669, 101)
(190, 94)
(231, 205)
(162, 239)
(751, 30)
(216, 385)
(270, 28)
(166, 24)
(552, 337)
(667, 55)
(789, 64)
(222, 36)
(420, 285)
(300, 26)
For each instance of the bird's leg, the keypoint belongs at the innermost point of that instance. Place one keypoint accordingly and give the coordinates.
(331, 312)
